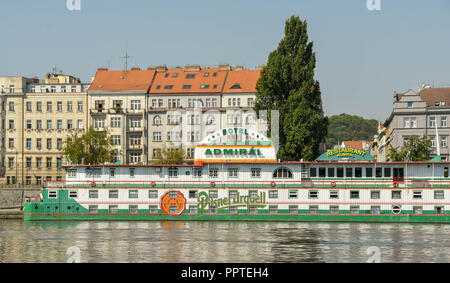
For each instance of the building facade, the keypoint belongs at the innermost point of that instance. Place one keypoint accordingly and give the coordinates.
(417, 113)
(37, 116)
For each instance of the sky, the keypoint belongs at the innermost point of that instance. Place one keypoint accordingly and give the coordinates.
(363, 55)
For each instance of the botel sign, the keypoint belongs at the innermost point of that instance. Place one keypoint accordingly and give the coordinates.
(231, 151)
(204, 201)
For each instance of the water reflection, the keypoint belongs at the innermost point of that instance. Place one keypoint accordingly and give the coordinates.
(221, 241)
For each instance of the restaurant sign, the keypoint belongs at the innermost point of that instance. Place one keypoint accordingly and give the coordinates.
(345, 153)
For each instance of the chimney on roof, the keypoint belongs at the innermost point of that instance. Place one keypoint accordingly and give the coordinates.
(161, 68)
(102, 69)
(260, 67)
(224, 67)
(135, 69)
(192, 68)
(239, 68)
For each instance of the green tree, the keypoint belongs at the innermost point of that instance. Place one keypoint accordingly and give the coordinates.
(416, 149)
(90, 147)
(287, 84)
(346, 127)
(171, 157)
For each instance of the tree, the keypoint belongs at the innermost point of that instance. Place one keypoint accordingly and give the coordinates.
(171, 157)
(91, 147)
(416, 149)
(346, 127)
(287, 84)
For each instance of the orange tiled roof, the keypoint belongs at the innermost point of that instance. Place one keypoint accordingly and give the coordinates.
(241, 81)
(133, 80)
(179, 80)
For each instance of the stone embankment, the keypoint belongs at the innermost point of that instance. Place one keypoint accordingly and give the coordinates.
(11, 201)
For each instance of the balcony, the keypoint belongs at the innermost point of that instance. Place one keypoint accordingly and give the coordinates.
(135, 129)
(98, 111)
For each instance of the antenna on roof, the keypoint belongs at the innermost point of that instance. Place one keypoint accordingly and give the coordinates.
(126, 60)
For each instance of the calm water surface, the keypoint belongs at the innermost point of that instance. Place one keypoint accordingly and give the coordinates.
(221, 242)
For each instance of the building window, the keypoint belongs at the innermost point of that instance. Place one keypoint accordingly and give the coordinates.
(29, 125)
(39, 106)
(29, 106)
(28, 144)
(69, 124)
(157, 120)
(443, 121)
(135, 104)
(49, 162)
(59, 106)
(354, 194)
(443, 141)
(49, 106)
(39, 124)
(410, 104)
(28, 162)
(282, 172)
(59, 125)
(115, 122)
(293, 194)
(432, 122)
(11, 106)
(80, 106)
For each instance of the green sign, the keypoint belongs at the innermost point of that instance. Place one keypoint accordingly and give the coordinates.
(205, 201)
(345, 153)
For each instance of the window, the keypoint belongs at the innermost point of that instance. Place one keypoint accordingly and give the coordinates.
(28, 106)
(213, 172)
(49, 162)
(273, 209)
(375, 194)
(11, 106)
(59, 124)
(273, 194)
(354, 209)
(113, 209)
(232, 172)
(443, 121)
(157, 120)
(93, 209)
(330, 172)
(69, 124)
(438, 194)
(443, 141)
(354, 194)
(197, 172)
(10, 162)
(293, 194)
(173, 171)
(28, 144)
(132, 172)
(293, 209)
(39, 106)
(410, 104)
(93, 193)
(256, 172)
(115, 122)
(153, 209)
(135, 122)
(49, 106)
(29, 126)
(80, 106)
(282, 172)
(313, 209)
(375, 210)
(313, 194)
(39, 124)
(49, 124)
(153, 194)
(334, 209)
(49, 143)
(193, 194)
(11, 124)
(38, 143)
(387, 172)
(11, 143)
(321, 172)
(73, 194)
(417, 194)
(358, 172)
(133, 194)
(59, 106)
(334, 194)
(72, 173)
(115, 139)
(438, 210)
(253, 209)
(213, 194)
(213, 209)
(52, 194)
(432, 122)
(28, 162)
(233, 210)
(113, 194)
(193, 209)
(135, 104)
(234, 194)
(369, 172)
(417, 210)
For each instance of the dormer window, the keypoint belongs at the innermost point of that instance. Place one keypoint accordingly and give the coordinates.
(190, 76)
(206, 74)
(410, 104)
(204, 86)
(236, 86)
(175, 75)
(168, 86)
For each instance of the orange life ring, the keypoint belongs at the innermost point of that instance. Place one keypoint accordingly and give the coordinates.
(333, 184)
(395, 184)
(92, 184)
(273, 184)
(213, 184)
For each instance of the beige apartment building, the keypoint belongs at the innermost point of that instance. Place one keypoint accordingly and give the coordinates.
(37, 116)
(117, 104)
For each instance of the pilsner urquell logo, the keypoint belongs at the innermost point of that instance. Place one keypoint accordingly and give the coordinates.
(204, 201)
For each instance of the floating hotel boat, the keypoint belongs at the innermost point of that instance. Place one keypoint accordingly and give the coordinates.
(244, 181)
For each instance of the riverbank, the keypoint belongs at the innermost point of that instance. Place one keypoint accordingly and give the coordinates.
(11, 214)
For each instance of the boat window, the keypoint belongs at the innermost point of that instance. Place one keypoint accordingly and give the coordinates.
(445, 172)
(340, 172)
(334, 194)
(330, 172)
(349, 172)
(358, 172)
(369, 172)
(378, 172)
(322, 172)
(387, 172)
(354, 194)
(374, 194)
(282, 172)
(312, 172)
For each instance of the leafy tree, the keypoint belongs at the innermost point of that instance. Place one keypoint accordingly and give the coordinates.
(346, 127)
(416, 149)
(287, 84)
(91, 147)
(169, 157)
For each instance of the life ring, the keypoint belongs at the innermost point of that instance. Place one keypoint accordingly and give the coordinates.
(333, 184)
(273, 184)
(212, 184)
(92, 184)
(395, 184)
(153, 184)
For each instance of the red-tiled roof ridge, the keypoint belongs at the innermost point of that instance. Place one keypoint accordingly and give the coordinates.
(114, 81)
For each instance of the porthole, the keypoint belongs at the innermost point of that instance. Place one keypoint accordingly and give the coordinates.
(396, 209)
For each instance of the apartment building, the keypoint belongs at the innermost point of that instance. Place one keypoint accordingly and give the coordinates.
(117, 104)
(37, 116)
(187, 104)
(418, 113)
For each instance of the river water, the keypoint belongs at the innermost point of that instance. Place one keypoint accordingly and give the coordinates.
(240, 242)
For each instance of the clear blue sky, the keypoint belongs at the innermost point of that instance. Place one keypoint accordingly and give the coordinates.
(362, 56)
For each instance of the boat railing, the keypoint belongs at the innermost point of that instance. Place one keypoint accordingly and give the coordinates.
(411, 183)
